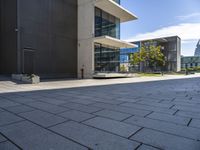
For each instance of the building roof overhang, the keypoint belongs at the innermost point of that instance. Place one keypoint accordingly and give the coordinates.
(110, 41)
(115, 9)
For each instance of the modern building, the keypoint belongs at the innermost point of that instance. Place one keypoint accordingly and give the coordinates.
(190, 62)
(197, 50)
(125, 58)
(171, 48)
(61, 38)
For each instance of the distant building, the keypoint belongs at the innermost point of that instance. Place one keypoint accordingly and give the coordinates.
(171, 48)
(197, 50)
(190, 62)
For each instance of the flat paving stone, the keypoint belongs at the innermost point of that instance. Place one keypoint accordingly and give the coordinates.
(166, 127)
(149, 108)
(82, 101)
(19, 109)
(80, 107)
(94, 138)
(1, 110)
(7, 103)
(8, 146)
(187, 108)
(76, 115)
(195, 123)
(156, 104)
(47, 107)
(146, 147)
(42, 118)
(169, 118)
(53, 101)
(128, 110)
(165, 141)
(188, 114)
(2, 139)
(8, 118)
(30, 136)
(22, 100)
(113, 126)
(112, 114)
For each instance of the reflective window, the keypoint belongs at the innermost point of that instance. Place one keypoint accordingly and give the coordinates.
(117, 1)
(106, 24)
(107, 59)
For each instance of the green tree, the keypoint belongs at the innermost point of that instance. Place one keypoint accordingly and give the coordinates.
(149, 56)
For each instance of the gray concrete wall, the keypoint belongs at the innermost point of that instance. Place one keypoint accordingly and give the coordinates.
(86, 20)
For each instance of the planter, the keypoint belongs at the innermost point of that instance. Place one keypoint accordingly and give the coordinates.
(17, 77)
(31, 79)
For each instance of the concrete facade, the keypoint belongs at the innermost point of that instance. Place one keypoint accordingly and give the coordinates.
(85, 37)
(86, 32)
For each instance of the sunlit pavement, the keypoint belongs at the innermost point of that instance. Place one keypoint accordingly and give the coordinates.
(147, 113)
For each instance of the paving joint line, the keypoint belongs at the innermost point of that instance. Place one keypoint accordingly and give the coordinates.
(10, 141)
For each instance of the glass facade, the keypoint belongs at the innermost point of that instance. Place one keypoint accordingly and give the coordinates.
(107, 59)
(117, 1)
(106, 24)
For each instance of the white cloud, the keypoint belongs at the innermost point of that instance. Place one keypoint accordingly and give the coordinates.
(189, 16)
(187, 32)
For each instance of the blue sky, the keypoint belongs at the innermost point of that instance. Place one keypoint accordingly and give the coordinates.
(159, 18)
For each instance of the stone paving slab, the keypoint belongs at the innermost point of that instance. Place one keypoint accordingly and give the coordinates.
(195, 123)
(21, 99)
(146, 147)
(187, 108)
(82, 101)
(8, 118)
(165, 141)
(149, 108)
(156, 104)
(94, 138)
(8, 146)
(51, 101)
(42, 118)
(116, 127)
(188, 114)
(112, 115)
(2, 139)
(6, 103)
(76, 115)
(170, 128)
(80, 107)
(30, 136)
(19, 109)
(47, 107)
(131, 111)
(170, 118)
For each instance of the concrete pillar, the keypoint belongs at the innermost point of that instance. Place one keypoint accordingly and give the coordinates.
(86, 21)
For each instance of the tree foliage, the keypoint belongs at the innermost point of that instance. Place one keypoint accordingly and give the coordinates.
(150, 55)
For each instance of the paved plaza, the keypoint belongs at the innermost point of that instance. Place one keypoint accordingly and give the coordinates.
(116, 114)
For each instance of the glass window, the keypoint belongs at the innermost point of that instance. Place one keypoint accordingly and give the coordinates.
(106, 24)
(107, 59)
